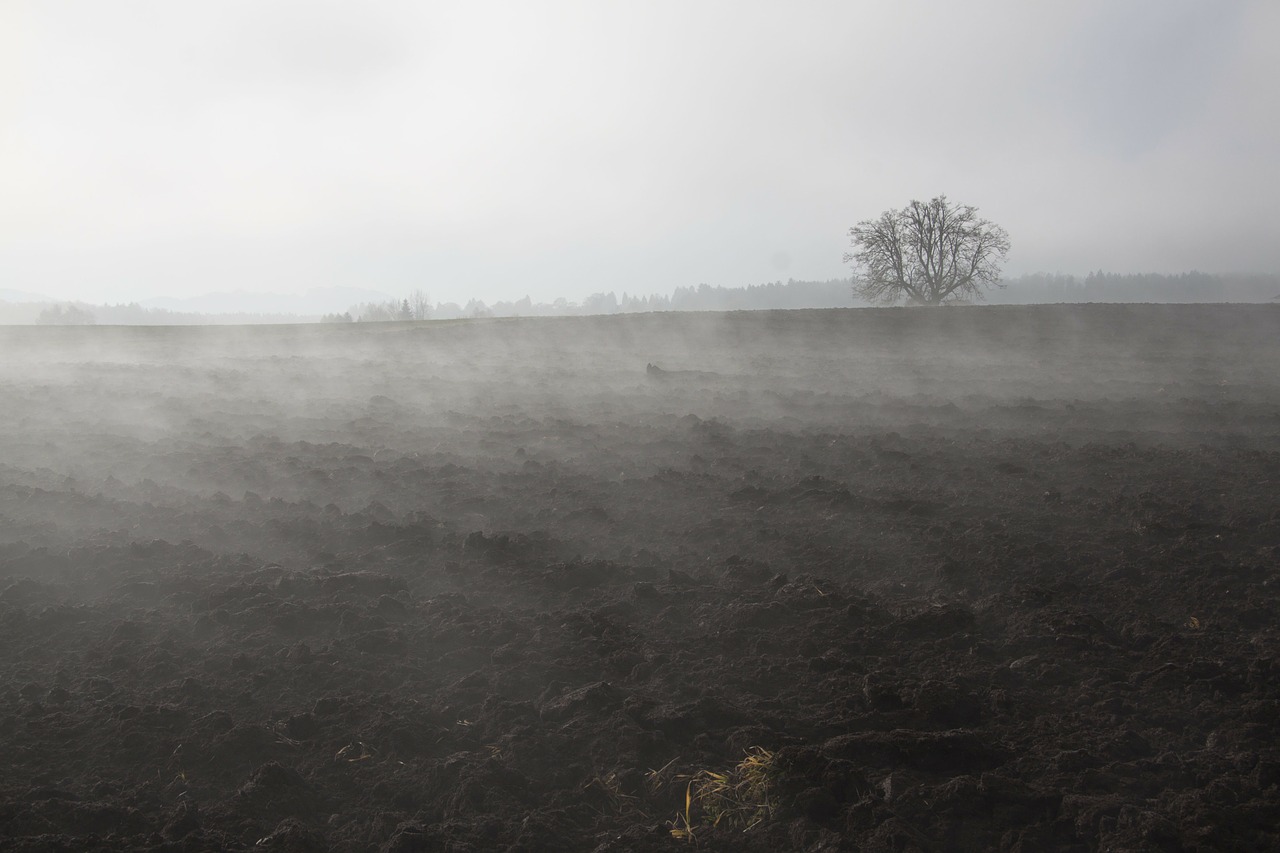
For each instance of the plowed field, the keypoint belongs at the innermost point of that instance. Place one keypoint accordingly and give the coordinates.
(995, 578)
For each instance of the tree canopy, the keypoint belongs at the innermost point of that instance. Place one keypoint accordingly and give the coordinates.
(927, 253)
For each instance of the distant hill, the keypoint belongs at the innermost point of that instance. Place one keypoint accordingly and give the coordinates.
(316, 301)
(9, 295)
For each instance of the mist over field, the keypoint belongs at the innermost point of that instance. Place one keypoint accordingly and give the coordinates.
(546, 583)
(574, 426)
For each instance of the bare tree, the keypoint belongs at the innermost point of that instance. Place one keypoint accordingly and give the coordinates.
(421, 304)
(927, 254)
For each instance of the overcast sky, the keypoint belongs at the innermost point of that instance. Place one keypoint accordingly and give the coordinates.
(559, 149)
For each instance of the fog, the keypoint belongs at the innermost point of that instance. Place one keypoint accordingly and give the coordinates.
(109, 411)
(497, 151)
(961, 577)
(541, 583)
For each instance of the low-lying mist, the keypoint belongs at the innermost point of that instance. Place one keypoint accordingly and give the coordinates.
(163, 416)
(389, 585)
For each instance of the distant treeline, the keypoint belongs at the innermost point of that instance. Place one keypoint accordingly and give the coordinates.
(1141, 287)
(838, 293)
(834, 293)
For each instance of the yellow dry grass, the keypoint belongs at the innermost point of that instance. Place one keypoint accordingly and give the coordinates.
(739, 797)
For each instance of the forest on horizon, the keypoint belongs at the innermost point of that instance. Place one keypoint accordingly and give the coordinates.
(1038, 288)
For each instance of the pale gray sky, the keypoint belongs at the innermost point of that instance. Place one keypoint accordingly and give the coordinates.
(498, 149)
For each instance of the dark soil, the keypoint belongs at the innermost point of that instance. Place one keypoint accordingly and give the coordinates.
(961, 579)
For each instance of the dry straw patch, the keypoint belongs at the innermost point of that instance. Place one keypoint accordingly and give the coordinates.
(740, 797)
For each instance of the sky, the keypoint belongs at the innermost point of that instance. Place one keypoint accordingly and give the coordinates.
(495, 150)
